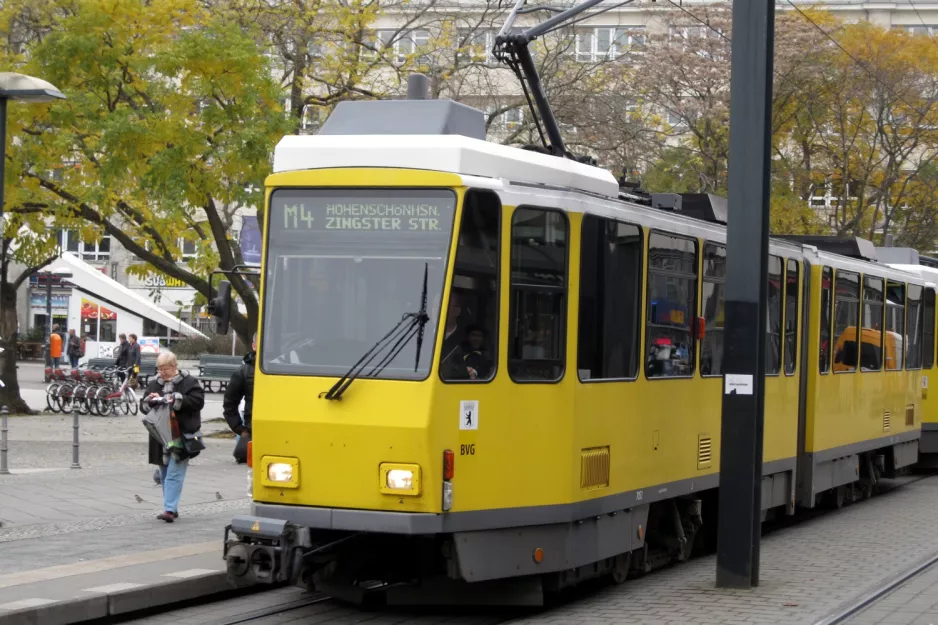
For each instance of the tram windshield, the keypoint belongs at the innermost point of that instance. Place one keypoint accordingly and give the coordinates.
(343, 266)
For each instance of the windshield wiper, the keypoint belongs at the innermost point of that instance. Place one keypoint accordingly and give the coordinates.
(409, 325)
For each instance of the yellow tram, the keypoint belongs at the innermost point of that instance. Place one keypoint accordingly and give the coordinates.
(481, 363)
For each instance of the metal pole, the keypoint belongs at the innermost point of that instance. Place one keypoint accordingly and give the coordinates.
(4, 467)
(740, 524)
(75, 464)
(48, 318)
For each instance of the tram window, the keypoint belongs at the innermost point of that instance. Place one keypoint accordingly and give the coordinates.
(468, 352)
(672, 305)
(712, 306)
(538, 295)
(791, 317)
(913, 327)
(824, 363)
(871, 341)
(928, 330)
(773, 337)
(895, 325)
(610, 299)
(846, 320)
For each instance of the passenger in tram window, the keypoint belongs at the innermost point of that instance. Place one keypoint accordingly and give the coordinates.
(452, 338)
(470, 360)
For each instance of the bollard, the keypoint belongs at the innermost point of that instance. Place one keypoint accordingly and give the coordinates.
(4, 469)
(75, 464)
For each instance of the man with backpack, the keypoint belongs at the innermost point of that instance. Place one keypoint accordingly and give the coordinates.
(241, 387)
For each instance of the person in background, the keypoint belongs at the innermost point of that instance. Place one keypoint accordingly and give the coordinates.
(123, 356)
(134, 359)
(241, 386)
(55, 346)
(187, 400)
(74, 348)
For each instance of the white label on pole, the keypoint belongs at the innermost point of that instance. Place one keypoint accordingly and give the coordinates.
(924, 381)
(737, 384)
(469, 415)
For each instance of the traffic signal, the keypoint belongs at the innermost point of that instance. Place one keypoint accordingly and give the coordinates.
(220, 307)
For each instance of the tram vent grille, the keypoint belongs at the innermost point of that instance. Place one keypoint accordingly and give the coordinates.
(910, 415)
(704, 452)
(594, 467)
(886, 423)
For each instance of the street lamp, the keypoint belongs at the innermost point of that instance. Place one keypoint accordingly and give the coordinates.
(24, 88)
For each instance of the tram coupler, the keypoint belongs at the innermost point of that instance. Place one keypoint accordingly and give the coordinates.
(263, 551)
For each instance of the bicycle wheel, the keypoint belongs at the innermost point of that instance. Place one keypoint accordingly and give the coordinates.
(105, 405)
(92, 400)
(51, 401)
(131, 401)
(65, 396)
(81, 398)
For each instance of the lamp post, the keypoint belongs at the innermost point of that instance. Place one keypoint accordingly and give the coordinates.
(23, 88)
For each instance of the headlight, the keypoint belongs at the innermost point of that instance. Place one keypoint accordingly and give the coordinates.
(280, 472)
(400, 479)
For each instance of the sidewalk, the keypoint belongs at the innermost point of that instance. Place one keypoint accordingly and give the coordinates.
(91, 535)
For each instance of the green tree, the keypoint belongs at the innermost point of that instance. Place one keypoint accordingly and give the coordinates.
(170, 121)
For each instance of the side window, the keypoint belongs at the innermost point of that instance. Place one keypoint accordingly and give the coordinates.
(871, 341)
(610, 299)
(827, 280)
(913, 327)
(773, 337)
(470, 341)
(895, 325)
(672, 304)
(791, 317)
(712, 307)
(538, 316)
(846, 320)
(928, 330)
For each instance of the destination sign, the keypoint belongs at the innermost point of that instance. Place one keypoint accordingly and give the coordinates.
(394, 216)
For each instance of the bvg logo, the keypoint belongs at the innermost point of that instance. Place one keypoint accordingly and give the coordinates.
(467, 450)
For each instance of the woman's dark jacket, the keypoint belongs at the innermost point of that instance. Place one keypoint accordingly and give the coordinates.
(190, 398)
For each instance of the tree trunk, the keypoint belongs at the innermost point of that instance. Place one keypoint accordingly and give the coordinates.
(10, 393)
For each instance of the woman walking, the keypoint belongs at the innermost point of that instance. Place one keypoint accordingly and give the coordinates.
(182, 395)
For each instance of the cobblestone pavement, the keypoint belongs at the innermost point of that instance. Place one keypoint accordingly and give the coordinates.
(913, 603)
(52, 514)
(809, 571)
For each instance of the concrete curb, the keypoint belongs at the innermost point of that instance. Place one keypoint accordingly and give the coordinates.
(102, 605)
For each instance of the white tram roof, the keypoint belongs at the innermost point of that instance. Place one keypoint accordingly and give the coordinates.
(455, 154)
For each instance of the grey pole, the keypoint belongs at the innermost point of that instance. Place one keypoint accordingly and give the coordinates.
(75, 464)
(4, 468)
(747, 246)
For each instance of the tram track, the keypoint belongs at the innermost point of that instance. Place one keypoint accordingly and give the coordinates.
(275, 610)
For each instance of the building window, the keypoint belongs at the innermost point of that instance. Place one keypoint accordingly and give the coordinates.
(791, 318)
(825, 339)
(713, 307)
(607, 42)
(399, 49)
(871, 341)
(610, 299)
(538, 295)
(476, 46)
(71, 242)
(469, 349)
(846, 321)
(672, 304)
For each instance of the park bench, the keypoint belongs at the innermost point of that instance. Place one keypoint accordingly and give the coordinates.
(216, 368)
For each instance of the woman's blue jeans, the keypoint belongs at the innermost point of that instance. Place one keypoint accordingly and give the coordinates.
(172, 477)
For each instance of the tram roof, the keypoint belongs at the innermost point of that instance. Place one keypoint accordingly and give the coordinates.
(455, 154)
